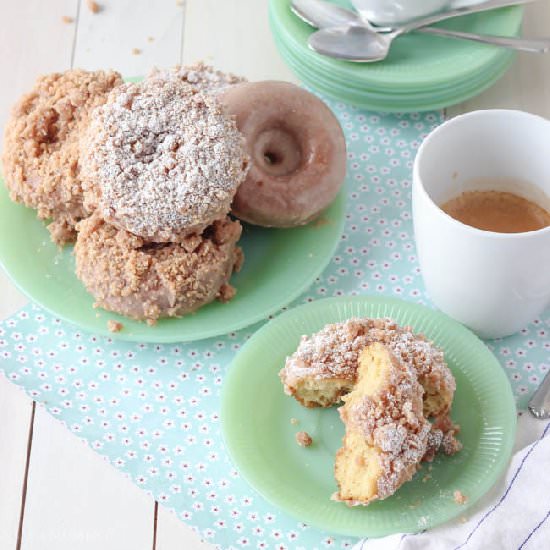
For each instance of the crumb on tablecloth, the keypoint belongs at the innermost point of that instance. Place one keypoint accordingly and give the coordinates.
(93, 6)
(136, 51)
(67, 19)
(459, 497)
(114, 326)
(294, 421)
(303, 439)
(150, 39)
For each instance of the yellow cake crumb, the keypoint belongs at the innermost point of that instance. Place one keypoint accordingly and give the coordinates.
(67, 19)
(136, 51)
(294, 421)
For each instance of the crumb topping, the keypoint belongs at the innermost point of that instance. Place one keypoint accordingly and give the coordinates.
(41, 147)
(162, 160)
(392, 421)
(303, 439)
(333, 353)
(203, 78)
(146, 280)
(114, 326)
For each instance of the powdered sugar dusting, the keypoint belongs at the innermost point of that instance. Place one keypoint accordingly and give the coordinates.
(202, 77)
(162, 160)
(333, 352)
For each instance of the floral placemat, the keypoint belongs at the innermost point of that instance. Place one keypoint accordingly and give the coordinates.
(153, 410)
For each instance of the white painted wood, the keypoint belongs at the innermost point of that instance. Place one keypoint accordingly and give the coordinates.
(234, 36)
(33, 40)
(173, 534)
(15, 416)
(106, 39)
(526, 85)
(77, 500)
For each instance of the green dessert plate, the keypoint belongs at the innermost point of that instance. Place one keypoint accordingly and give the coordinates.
(260, 438)
(422, 72)
(279, 265)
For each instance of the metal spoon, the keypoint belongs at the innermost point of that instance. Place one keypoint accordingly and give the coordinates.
(539, 406)
(357, 40)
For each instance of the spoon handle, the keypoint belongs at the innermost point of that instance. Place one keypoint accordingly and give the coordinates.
(539, 406)
(535, 45)
(465, 10)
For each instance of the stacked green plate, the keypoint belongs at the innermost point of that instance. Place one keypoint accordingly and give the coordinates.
(422, 72)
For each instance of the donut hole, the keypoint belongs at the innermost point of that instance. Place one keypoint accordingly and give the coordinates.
(277, 151)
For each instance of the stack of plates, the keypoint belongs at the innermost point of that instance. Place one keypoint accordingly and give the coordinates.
(422, 72)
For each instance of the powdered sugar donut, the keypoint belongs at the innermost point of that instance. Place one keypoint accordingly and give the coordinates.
(204, 78)
(162, 160)
(145, 280)
(297, 151)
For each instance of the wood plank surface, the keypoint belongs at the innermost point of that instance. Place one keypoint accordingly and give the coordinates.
(76, 500)
(234, 36)
(526, 85)
(15, 416)
(131, 37)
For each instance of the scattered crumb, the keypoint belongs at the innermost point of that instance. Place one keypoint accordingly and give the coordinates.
(303, 439)
(180, 2)
(294, 421)
(98, 315)
(136, 51)
(426, 478)
(463, 519)
(150, 39)
(151, 322)
(459, 497)
(114, 326)
(93, 6)
(67, 19)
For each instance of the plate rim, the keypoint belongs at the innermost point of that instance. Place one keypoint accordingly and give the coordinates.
(487, 482)
(156, 336)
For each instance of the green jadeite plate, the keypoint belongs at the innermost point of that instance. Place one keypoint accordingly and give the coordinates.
(431, 66)
(279, 265)
(260, 438)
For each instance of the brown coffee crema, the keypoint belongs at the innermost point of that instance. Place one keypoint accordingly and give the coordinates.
(497, 211)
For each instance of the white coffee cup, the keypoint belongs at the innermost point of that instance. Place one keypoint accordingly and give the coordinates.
(393, 12)
(495, 283)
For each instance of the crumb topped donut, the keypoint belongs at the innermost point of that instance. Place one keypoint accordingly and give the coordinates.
(162, 160)
(203, 78)
(297, 153)
(386, 432)
(145, 280)
(324, 367)
(41, 152)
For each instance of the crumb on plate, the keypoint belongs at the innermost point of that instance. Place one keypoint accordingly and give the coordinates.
(459, 497)
(294, 421)
(114, 326)
(303, 439)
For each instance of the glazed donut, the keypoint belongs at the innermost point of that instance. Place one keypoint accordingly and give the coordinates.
(162, 160)
(41, 151)
(144, 280)
(297, 153)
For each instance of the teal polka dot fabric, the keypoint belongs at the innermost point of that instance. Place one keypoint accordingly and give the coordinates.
(153, 410)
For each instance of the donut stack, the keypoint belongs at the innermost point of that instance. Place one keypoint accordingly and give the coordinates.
(144, 175)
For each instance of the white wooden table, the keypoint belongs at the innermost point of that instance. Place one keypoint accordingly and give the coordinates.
(55, 493)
